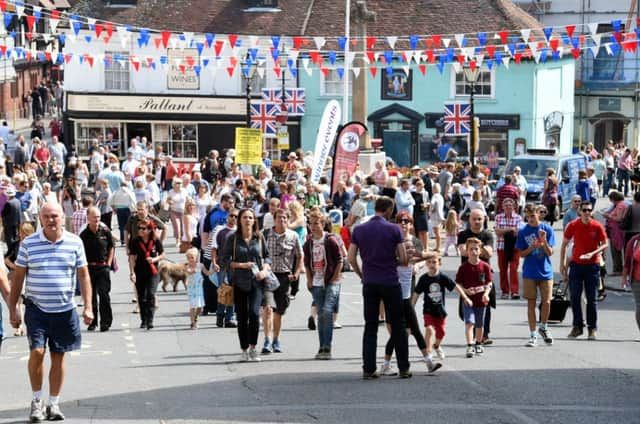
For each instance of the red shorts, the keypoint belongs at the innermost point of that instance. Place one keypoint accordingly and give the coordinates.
(436, 323)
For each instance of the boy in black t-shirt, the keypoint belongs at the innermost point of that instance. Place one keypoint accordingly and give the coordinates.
(433, 284)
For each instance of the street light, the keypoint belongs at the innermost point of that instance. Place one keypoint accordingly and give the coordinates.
(249, 68)
(471, 75)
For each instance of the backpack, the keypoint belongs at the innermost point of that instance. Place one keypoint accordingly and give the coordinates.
(627, 219)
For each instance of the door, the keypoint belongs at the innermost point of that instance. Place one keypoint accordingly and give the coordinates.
(397, 145)
(137, 129)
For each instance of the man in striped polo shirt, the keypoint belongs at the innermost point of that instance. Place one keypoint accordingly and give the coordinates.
(51, 260)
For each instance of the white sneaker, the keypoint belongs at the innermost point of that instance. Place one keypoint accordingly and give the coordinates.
(37, 411)
(253, 355)
(470, 351)
(244, 356)
(533, 342)
(439, 353)
(387, 370)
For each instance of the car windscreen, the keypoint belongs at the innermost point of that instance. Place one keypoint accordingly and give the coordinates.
(531, 168)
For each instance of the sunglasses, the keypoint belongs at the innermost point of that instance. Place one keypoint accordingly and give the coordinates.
(233, 216)
(143, 228)
(587, 210)
(405, 221)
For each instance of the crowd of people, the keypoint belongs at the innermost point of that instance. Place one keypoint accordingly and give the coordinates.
(248, 235)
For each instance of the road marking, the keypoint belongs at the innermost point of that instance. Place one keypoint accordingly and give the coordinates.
(132, 352)
(128, 338)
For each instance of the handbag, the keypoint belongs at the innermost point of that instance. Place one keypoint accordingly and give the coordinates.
(225, 295)
(271, 282)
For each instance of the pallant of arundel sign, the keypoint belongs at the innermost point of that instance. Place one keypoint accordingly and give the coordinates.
(156, 104)
(180, 72)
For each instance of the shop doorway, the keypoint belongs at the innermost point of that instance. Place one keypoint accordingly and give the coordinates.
(397, 145)
(137, 129)
(608, 126)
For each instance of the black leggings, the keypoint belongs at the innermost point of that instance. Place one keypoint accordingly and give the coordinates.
(411, 321)
(248, 315)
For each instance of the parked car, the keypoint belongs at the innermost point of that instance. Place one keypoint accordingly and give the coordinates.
(534, 167)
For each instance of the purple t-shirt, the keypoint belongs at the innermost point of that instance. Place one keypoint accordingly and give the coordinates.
(377, 240)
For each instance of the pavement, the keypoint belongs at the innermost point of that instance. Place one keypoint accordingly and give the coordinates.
(172, 374)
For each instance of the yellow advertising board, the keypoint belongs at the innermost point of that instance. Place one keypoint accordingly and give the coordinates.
(248, 146)
(283, 140)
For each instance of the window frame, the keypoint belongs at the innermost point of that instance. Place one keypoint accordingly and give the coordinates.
(339, 83)
(168, 142)
(124, 69)
(455, 84)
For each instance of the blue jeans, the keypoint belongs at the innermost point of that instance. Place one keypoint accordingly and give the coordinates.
(607, 183)
(326, 299)
(623, 178)
(391, 296)
(123, 216)
(584, 276)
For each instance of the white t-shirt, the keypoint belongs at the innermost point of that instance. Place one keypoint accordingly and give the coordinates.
(318, 262)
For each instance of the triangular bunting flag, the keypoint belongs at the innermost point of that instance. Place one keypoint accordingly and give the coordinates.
(391, 40)
(356, 72)
(319, 42)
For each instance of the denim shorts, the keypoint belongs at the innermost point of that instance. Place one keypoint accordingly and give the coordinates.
(474, 315)
(60, 330)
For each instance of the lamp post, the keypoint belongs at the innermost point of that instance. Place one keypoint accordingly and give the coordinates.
(249, 71)
(471, 75)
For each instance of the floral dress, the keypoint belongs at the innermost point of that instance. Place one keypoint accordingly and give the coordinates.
(194, 288)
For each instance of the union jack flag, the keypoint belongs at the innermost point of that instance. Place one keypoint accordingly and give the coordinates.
(295, 101)
(263, 116)
(272, 95)
(457, 118)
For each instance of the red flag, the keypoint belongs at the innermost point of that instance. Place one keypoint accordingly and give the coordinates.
(576, 53)
(297, 41)
(347, 149)
(135, 63)
(28, 35)
(182, 69)
(30, 21)
(429, 43)
(55, 14)
(149, 61)
(618, 36)
(325, 72)
(314, 56)
(371, 41)
(277, 71)
(230, 71)
(3, 49)
(504, 35)
(3, 6)
(436, 40)
(518, 57)
(554, 44)
(47, 56)
(374, 71)
(165, 38)
(430, 56)
(190, 61)
(218, 47)
(491, 51)
(89, 59)
(157, 42)
(232, 40)
(67, 58)
(472, 65)
(570, 29)
(107, 27)
(371, 56)
(423, 68)
(99, 29)
(461, 59)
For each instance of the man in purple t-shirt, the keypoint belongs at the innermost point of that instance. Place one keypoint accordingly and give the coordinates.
(382, 249)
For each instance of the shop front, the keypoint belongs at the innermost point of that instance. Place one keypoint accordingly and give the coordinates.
(494, 130)
(186, 128)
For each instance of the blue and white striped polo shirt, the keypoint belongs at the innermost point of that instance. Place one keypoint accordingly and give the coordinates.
(51, 270)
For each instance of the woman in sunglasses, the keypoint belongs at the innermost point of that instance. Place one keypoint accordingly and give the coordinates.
(145, 251)
(247, 259)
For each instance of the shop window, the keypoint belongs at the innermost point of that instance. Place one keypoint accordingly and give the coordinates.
(105, 132)
(332, 85)
(178, 140)
(483, 87)
(499, 139)
(116, 75)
